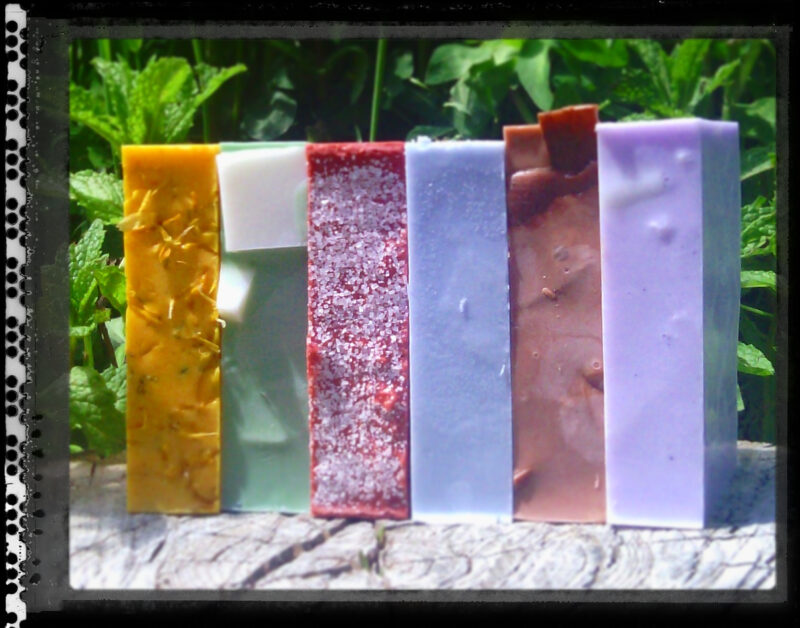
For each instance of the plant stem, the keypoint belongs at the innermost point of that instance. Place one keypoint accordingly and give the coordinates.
(198, 58)
(377, 85)
(87, 351)
(522, 107)
(237, 95)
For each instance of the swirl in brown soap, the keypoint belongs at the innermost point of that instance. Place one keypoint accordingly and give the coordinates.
(557, 358)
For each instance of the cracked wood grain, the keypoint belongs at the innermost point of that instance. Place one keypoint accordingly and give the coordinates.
(111, 549)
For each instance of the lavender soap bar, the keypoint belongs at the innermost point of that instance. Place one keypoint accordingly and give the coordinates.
(461, 432)
(669, 227)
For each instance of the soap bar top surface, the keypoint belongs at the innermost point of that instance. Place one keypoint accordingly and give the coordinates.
(171, 238)
(357, 348)
(263, 194)
(669, 202)
(461, 433)
(554, 269)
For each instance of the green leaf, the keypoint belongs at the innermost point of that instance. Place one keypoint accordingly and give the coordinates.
(753, 361)
(159, 84)
(450, 62)
(757, 160)
(75, 449)
(759, 279)
(533, 70)
(349, 64)
(84, 258)
(211, 79)
(118, 80)
(503, 50)
(657, 63)
(686, 67)
(117, 382)
(403, 67)
(281, 109)
(99, 193)
(84, 108)
(609, 53)
(469, 118)
(758, 228)
(739, 400)
(93, 410)
(178, 115)
(491, 84)
(756, 119)
(111, 281)
(80, 331)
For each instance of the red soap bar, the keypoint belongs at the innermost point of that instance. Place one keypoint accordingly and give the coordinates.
(357, 347)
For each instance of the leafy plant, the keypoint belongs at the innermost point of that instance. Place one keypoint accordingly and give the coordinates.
(117, 104)
(155, 91)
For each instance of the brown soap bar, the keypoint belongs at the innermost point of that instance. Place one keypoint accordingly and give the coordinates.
(556, 326)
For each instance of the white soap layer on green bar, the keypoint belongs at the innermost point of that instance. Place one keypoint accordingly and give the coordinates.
(263, 197)
(262, 297)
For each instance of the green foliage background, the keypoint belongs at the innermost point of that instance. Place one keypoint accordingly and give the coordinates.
(162, 91)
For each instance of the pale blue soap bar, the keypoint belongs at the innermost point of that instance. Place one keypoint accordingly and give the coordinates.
(669, 196)
(263, 300)
(461, 430)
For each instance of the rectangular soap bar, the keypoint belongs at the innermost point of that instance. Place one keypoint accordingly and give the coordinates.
(556, 323)
(669, 213)
(171, 239)
(263, 192)
(358, 330)
(262, 298)
(461, 437)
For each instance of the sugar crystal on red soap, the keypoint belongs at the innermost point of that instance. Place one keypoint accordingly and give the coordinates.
(357, 344)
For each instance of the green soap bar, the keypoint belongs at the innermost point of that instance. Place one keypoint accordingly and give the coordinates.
(265, 456)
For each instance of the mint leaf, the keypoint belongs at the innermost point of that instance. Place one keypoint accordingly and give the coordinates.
(99, 193)
(92, 410)
(157, 85)
(179, 114)
(84, 108)
(533, 71)
(84, 258)
(117, 382)
(118, 81)
(758, 228)
(759, 279)
(685, 69)
(657, 63)
(111, 281)
(753, 361)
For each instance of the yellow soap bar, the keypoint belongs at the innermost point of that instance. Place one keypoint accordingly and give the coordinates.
(171, 233)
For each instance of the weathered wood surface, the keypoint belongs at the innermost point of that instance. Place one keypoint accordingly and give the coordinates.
(110, 549)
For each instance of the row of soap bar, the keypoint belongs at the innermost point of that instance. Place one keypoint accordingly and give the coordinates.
(456, 364)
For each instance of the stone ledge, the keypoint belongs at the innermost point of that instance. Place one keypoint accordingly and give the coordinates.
(111, 549)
